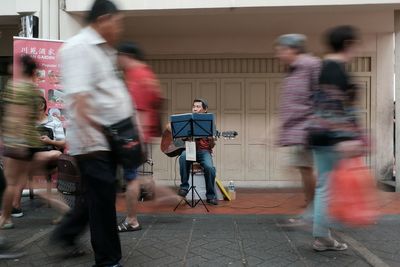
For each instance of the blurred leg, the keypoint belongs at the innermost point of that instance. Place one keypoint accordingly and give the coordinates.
(309, 181)
(205, 160)
(325, 159)
(184, 168)
(132, 196)
(41, 167)
(18, 194)
(16, 173)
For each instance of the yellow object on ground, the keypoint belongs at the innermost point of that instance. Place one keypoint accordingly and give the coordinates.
(223, 191)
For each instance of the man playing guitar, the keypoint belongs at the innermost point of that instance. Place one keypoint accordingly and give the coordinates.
(204, 148)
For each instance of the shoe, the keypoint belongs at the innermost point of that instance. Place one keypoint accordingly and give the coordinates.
(17, 213)
(319, 246)
(127, 227)
(292, 223)
(57, 220)
(7, 226)
(212, 201)
(183, 192)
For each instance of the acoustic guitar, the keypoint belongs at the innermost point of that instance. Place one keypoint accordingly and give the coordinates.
(173, 148)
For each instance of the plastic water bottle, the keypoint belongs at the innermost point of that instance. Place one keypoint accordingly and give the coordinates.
(232, 190)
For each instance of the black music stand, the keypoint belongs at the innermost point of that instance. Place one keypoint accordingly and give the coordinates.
(191, 126)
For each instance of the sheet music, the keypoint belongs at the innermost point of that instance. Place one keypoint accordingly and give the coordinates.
(190, 150)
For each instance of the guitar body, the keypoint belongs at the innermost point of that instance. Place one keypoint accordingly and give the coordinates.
(169, 147)
(173, 148)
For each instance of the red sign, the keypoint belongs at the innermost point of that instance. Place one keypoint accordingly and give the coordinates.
(48, 75)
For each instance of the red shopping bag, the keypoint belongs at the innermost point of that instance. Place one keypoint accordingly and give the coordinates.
(353, 193)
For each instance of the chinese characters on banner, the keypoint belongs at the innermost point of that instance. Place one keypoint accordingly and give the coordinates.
(48, 74)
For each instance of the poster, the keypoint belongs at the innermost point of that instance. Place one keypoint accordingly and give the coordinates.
(47, 77)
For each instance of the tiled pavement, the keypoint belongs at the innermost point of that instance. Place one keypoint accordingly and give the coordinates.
(207, 240)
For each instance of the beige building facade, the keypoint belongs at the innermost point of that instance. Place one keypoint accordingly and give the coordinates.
(223, 51)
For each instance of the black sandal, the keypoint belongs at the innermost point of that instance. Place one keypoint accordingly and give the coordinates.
(127, 227)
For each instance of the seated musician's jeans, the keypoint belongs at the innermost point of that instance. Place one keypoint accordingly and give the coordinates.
(205, 159)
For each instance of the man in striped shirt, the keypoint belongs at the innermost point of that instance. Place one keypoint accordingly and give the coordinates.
(296, 105)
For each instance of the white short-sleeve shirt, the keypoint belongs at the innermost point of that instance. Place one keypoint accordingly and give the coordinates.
(55, 125)
(88, 67)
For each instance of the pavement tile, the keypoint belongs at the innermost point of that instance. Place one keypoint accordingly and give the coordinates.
(254, 261)
(159, 262)
(222, 263)
(204, 253)
(208, 240)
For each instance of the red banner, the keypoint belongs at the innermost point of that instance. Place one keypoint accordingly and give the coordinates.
(48, 75)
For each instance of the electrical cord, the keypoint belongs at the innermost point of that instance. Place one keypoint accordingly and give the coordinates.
(251, 207)
(258, 206)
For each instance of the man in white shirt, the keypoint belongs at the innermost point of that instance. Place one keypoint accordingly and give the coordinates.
(95, 96)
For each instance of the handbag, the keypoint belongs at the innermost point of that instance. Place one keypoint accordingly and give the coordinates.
(45, 131)
(353, 198)
(125, 143)
(69, 179)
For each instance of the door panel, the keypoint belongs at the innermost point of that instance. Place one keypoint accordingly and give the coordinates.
(232, 95)
(249, 106)
(162, 164)
(232, 117)
(182, 95)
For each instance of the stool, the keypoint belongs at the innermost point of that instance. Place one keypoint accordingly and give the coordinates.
(197, 168)
(200, 183)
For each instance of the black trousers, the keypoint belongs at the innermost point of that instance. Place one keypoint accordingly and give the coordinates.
(95, 206)
(3, 184)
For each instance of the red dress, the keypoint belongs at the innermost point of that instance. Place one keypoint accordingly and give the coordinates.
(146, 96)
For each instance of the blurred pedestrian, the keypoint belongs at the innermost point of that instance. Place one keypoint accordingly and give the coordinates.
(334, 132)
(4, 254)
(144, 89)
(296, 105)
(95, 97)
(20, 137)
(44, 162)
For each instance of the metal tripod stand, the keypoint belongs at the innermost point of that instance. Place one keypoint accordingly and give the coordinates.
(193, 203)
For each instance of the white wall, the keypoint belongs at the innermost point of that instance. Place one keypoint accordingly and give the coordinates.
(69, 25)
(48, 14)
(8, 8)
(13, 7)
(82, 5)
(232, 45)
(383, 108)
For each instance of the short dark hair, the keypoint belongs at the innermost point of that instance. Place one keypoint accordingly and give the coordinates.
(131, 49)
(28, 65)
(43, 103)
(203, 102)
(100, 8)
(339, 38)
